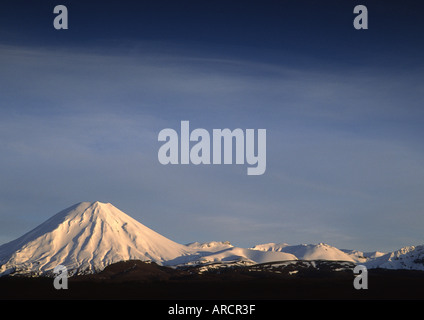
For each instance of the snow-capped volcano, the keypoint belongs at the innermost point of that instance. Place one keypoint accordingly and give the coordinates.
(86, 237)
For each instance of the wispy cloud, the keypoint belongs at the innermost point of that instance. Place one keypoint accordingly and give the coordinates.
(343, 142)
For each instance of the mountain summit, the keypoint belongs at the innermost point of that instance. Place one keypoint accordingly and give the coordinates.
(90, 236)
(86, 237)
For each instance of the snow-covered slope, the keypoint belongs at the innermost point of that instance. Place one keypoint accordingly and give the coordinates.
(212, 246)
(86, 237)
(271, 246)
(319, 251)
(232, 255)
(362, 257)
(411, 257)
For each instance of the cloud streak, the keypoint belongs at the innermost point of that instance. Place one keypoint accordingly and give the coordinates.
(343, 143)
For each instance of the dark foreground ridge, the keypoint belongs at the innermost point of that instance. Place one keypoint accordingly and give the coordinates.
(318, 280)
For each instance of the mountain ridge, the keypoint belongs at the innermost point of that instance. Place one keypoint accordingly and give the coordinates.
(89, 236)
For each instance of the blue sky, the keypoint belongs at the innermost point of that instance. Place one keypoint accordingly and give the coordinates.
(80, 111)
